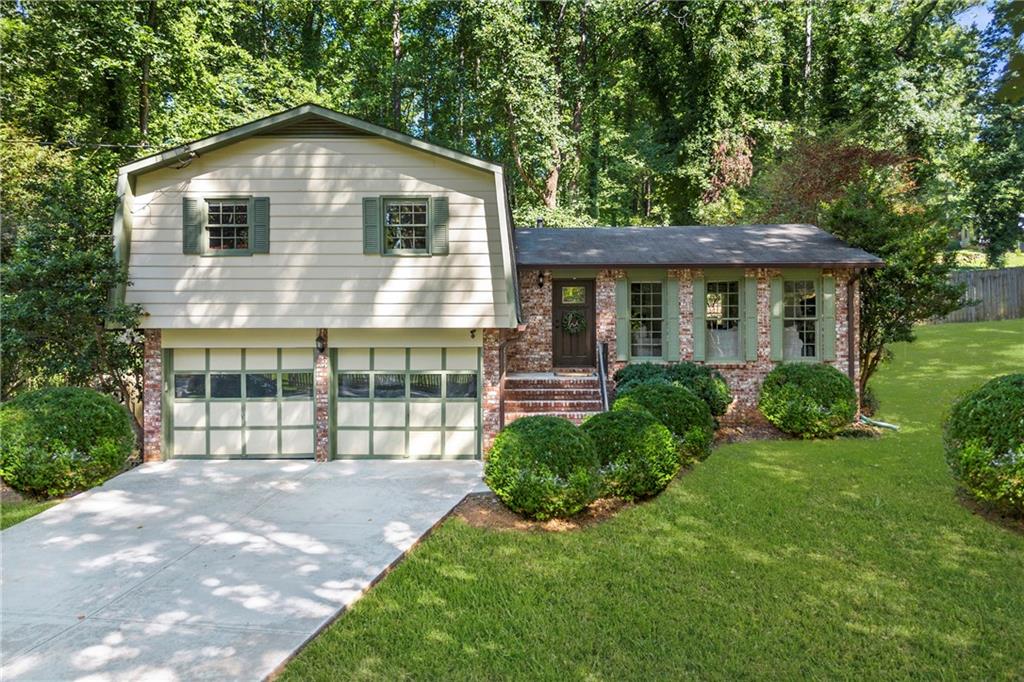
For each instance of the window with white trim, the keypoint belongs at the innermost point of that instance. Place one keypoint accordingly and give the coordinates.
(646, 319)
(722, 320)
(227, 224)
(799, 319)
(406, 226)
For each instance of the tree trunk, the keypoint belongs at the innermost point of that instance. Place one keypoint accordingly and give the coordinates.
(396, 58)
(807, 45)
(147, 62)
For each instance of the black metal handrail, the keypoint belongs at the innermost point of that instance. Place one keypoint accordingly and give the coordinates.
(602, 375)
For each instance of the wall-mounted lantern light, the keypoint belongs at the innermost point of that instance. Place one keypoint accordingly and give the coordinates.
(540, 279)
(472, 333)
(321, 342)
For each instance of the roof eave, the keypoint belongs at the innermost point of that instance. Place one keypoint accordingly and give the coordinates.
(715, 264)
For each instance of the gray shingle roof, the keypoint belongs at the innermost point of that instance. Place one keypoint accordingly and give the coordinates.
(697, 246)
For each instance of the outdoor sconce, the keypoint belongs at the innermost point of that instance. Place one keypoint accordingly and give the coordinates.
(540, 279)
(321, 342)
(472, 333)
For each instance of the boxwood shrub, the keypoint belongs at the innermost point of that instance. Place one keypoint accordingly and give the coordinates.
(637, 453)
(706, 382)
(59, 440)
(679, 409)
(810, 401)
(542, 467)
(984, 441)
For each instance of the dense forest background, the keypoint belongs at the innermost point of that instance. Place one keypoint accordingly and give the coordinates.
(618, 112)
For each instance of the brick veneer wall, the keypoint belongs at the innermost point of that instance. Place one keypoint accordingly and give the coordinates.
(152, 396)
(322, 402)
(529, 348)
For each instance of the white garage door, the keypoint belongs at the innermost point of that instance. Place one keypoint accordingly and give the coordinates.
(419, 403)
(252, 403)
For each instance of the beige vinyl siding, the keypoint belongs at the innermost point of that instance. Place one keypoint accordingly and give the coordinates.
(316, 274)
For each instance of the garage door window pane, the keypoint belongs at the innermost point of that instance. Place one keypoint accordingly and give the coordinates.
(189, 385)
(260, 385)
(425, 386)
(389, 386)
(225, 385)
(297, 384)
(462, 385)
(353, 385)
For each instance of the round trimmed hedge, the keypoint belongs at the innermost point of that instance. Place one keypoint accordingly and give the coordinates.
(543, 466)
(639, 373)
(810, 401)
(637, 453)
(679, 409)
(59, 440)
(984, 441)
(706, 382)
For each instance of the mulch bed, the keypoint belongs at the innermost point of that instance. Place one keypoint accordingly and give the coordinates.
(991, 514)
(485, 510)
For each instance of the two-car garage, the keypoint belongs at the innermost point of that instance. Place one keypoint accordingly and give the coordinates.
(385, 402)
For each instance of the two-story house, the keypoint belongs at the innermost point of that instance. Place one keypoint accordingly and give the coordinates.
(315, 286)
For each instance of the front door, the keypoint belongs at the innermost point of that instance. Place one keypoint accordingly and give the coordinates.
(572, 332)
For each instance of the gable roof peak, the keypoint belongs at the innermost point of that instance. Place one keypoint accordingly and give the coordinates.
(290, 122)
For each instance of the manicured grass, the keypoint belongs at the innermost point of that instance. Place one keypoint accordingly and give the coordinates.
(16, 512)
(846, 559)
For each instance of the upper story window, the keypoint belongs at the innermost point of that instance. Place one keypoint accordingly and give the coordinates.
(799, 319)
(722, 320)
(406, 226)
(227, 224)
(646, 318)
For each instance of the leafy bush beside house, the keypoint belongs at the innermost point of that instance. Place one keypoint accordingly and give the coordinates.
(543, 466)
(59, 440)
(679, 409)
(706, 382)
(637, 453)
(810, 401)
(984, 441)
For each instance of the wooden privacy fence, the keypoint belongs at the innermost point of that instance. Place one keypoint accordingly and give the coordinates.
(992, 295)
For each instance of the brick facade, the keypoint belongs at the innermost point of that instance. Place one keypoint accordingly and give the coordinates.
(152, 396)
(322, 401)
(529, 348)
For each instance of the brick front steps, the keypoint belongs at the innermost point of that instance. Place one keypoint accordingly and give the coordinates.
(575, 397)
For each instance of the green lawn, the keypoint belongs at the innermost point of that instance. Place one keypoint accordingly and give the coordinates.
(845, 559)
(16, 512)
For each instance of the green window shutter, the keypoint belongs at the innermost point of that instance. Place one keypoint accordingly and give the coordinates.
(439, 226)
(261, 225)
(699, 318)
(191, 226)
(776, 314)
(671, 331)
(828, 318)
(750, 318)
(371, 225)
(621, 319)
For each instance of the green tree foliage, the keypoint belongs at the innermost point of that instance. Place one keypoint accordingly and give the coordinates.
(879, 213)
(618, 112)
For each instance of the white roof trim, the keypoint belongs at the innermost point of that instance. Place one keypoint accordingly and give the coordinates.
(246, 130)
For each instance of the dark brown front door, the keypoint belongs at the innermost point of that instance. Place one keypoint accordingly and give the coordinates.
(572, 332)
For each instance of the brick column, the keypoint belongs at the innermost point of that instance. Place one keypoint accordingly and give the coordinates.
(490, 419)
(322, 401)
(152, 396)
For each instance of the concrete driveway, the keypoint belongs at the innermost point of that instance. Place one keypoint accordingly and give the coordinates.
(219, 570)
